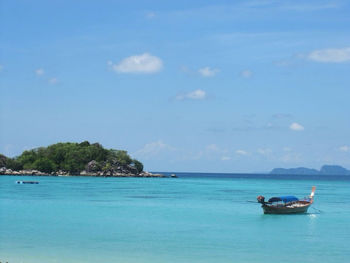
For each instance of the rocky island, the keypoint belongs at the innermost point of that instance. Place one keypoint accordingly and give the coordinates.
(74, 159)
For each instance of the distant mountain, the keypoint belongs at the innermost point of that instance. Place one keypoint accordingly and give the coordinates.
(325, 169)
(334, 169)
(299, 170)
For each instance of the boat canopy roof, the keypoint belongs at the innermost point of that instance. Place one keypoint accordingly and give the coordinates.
(285, 199)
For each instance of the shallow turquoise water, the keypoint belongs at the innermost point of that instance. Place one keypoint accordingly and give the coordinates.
(194, 218)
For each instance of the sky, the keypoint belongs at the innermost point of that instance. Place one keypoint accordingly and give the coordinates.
(196, 86)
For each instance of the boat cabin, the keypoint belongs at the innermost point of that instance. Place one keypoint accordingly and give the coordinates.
(284, 199)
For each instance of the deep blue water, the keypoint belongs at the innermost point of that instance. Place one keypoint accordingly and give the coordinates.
(193, 218)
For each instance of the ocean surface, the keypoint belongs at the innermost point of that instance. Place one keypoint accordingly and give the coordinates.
(194, 218)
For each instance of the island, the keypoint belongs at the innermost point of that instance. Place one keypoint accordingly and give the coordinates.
(325, 170)
(72, 159)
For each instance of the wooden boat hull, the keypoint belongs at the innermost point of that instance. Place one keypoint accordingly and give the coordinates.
(269, 209)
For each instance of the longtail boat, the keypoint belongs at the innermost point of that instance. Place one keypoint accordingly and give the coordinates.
(286, 204)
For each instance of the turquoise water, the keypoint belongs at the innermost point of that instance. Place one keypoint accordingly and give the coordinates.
(194, 218)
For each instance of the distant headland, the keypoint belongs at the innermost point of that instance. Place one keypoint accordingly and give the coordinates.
(65, 159)
(325, 170)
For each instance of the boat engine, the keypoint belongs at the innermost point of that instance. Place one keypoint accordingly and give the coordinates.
(261, 199)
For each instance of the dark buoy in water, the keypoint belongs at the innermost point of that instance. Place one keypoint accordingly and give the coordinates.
(27, 182)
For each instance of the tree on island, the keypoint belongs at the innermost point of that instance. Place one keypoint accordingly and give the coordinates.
(3, 160)
(73, 158)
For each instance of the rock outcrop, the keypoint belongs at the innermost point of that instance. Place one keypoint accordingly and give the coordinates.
(4, 171)
(92, 167)
(108, 173)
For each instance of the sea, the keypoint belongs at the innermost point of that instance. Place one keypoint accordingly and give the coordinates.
(197, 217)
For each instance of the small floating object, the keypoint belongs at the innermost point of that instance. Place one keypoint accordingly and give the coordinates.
(286, 204)
(173, 176)
(27, 182)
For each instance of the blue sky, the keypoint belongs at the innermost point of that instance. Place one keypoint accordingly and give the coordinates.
(210, 86)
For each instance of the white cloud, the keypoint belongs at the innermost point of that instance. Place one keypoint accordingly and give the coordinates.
(282, 116)
(39, 72)
(225, 158)
(208, 72)
(287, 149)
(153, 148)
(193, 95)
(144, 63)
(53, 81)
(344, 148)
(264, 151)
(331, 55)
(292, 5)
(319, 5)
(296, 127)
(212, 151)
(291, 157)
(150, 15)
(212, 148)
(246, 74)
(186, 70)
(269, 125)
(241, 152)
(197, 95)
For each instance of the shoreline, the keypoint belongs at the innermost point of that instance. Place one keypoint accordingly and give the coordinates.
(10, 172)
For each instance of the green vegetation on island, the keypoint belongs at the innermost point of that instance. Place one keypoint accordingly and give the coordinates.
(74, 159)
